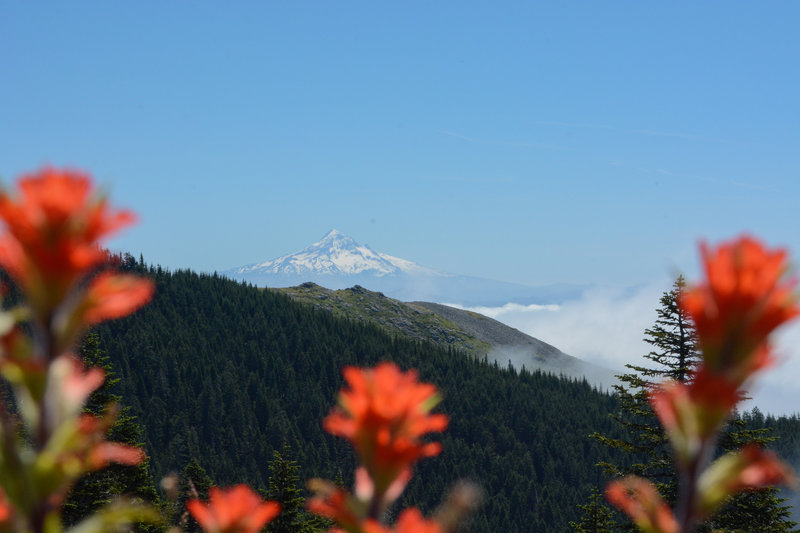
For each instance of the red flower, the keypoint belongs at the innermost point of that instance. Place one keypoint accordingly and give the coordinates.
(6, 510)
(410, 521)
(234, 510)
(96, 451)
(743, 299)
(69, 384)
(639, 499)
(111, 296)
(105, 453)
(751, 467)
(335, 503)
(384, 413)
(53, 232)
(691, 413)
(79, 446)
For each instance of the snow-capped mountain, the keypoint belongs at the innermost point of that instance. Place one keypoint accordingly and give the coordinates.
(337, 261)
(335, 254)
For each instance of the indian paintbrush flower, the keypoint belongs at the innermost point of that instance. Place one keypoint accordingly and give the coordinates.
(234, 510)
(54, 228)
(744, 298)
(384, 414)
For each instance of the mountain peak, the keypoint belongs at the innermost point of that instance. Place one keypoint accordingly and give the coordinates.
(334, 254)
(335, 238)
(337, 261)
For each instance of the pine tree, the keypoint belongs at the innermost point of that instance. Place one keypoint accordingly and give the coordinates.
(756, 510)
(96, 489)
(597, 517)
(675, 355)
(193, 483)
(284, 487)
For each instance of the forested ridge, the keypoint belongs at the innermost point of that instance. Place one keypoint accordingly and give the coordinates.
(226, 374)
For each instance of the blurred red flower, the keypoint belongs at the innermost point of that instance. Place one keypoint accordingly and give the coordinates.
(53, 231)
(743, 299)
(384, 413)
(333, 502)
(6, 510)
(639, 499)
(111, 296)
(752, 467)
(410, 521)
(98, 452)
(234, 510)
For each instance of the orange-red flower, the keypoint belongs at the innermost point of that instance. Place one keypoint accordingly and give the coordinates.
(384, 413)
(410, 521)
(69, 384)
(750, 468)
(639, 499)
(335, 503)
(54, 227)
(691, 413)
(743, 299)
(79, 446)
(234, 510)
(6, 510)
(98, 452)
(111, 296)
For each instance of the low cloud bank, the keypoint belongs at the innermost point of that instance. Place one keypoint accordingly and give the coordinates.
(606, 327)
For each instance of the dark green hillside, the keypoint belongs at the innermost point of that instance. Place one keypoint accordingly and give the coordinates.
(413, 321)
(226, 373)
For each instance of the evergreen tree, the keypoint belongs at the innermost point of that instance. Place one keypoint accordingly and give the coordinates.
(754, 510)
(193, 483)
(284, 488)
(96, 489)
(597, 517)
(675, 355)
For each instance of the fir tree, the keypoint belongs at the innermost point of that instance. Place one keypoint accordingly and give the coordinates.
(284, 488)
(675, 355)
(193, 483)
(597, 517)
(755, 510)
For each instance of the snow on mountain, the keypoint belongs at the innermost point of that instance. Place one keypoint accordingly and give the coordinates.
(337, 261)
(335, 253)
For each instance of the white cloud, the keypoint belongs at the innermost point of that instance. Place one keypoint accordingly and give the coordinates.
(606, 327)
(777, 390)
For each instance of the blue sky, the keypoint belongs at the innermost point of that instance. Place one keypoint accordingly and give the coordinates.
(538, 143)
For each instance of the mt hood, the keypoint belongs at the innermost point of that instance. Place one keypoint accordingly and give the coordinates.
(337, 261)
(335, 254)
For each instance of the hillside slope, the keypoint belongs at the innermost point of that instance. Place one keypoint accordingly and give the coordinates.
(466, 331)
(414, 322)
(509, 345)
